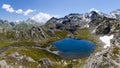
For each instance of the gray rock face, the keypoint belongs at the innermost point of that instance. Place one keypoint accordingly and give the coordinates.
(45, 62)
(104, 59)
(116, 40)
(104, 25)
(35, 33)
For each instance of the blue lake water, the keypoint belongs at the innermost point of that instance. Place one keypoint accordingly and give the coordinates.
(71, 48)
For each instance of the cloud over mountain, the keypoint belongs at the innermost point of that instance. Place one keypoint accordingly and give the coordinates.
(41, 17)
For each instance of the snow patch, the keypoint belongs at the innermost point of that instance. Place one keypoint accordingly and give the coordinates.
(106, 39)
(93, 9)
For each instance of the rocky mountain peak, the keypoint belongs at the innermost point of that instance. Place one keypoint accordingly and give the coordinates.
(115, 14)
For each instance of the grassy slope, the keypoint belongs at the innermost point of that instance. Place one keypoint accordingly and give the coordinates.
(56, 36)
(84, 34)
(37, 54)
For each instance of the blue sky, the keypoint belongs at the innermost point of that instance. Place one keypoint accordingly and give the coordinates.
(49, 8)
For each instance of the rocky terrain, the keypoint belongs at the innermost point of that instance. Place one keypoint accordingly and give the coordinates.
(27, 44)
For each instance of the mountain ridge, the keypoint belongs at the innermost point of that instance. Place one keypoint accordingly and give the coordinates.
(33, 41)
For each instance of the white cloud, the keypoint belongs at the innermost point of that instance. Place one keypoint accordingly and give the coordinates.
(28, 11)
(8, 7)
(41, 17)
(19, 11)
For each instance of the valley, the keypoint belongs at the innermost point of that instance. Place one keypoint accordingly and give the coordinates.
(28, 44)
